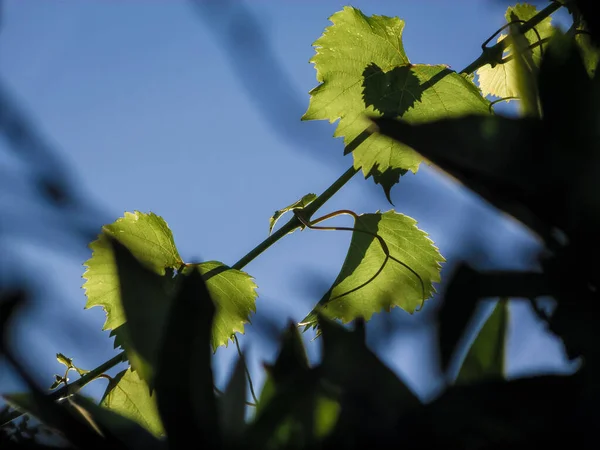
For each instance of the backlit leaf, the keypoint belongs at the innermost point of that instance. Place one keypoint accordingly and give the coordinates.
(128, 395)
(234, 294)
(363, 287)
(150, 241)
(148, 238)
(363, 68)
(502, 80)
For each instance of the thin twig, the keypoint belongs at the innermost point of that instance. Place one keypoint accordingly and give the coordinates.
(237, 344)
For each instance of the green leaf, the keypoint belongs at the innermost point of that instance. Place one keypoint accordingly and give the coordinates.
(68, 362)
(293, 411)
(127, 431)
(502, 79)
(129, 395)
(146, 299)
(460, 302)
(365, 285)
(148, 238)
(234, 295)
(362, 67)
(372, 395)
(184, 378)
(150, 241)
(486, 357)
(300, 204)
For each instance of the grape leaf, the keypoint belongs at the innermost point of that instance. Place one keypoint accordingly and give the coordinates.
(148, 238)
(362, 67)
(129, 395)
(486, 357)
(502, 79)
(302, 203)
(363, 287)
(234, 295)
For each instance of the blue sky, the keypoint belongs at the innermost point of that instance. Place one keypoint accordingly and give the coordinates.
(157, 106)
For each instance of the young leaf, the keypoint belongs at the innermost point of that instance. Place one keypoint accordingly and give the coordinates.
(362, 67)
(128, 395)
(502, 79)
(302, 203)
(148, 238)
(184, 379)
(486, 357)
(365, 285)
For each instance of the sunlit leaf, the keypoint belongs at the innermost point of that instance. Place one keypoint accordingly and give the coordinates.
(366, 286)
(363, 68)
(148, 238)
(234, 295)
(129, 395)
(127, 431)
(150, 241)
(487, 354)
(502, 79)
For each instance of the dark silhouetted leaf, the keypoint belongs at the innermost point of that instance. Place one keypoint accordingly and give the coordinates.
(184, 378)
(486, 357)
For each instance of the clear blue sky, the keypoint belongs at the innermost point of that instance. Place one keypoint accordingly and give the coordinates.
(152, 111)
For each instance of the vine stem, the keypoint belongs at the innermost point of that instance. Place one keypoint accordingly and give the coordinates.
(73, 387)
(294, 222)
(488, 55)
(291, 225)
(239, 350)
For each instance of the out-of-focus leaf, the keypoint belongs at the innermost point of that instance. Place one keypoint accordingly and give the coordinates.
(146, 298)
(457, 309)
(74, 426)
(232, 404)
(486, 357)
(184, 378)
(372, 398)
(293, 410)
(128, 431)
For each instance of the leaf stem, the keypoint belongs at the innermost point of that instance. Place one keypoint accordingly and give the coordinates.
(239, 350)
(294, 223)
(488, 55)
